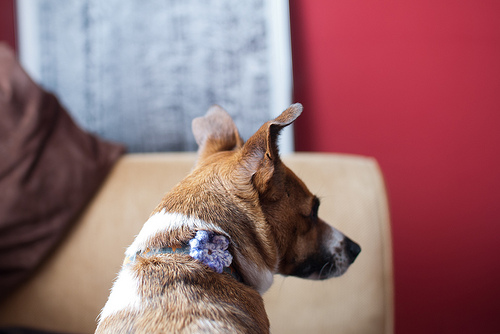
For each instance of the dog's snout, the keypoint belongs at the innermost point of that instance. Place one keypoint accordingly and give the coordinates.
(352, 249)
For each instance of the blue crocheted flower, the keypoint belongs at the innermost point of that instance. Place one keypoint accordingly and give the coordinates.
(211, 249)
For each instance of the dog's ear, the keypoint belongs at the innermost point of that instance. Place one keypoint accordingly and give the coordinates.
(215, 132)
(260, 154)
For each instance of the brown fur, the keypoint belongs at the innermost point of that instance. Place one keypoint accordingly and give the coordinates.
(188, 293)
(266, 210)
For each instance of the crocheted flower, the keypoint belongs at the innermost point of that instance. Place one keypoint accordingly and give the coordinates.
(211, 249)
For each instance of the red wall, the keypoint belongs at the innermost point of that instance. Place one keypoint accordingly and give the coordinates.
(7, 23)
(415, 84)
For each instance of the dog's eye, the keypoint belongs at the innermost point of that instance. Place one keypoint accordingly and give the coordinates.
(315, 208)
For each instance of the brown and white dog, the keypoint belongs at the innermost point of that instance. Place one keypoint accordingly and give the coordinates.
(266, 221)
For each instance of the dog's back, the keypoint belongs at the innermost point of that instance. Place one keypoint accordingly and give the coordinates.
(180, 295)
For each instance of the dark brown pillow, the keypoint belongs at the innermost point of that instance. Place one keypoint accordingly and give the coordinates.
(49, 170)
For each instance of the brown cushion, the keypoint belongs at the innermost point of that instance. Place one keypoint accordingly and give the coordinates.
(49, 170)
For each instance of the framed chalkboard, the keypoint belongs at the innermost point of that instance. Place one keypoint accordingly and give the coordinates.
(138, 72)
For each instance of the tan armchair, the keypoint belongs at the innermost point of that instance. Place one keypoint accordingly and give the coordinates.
(69, 290)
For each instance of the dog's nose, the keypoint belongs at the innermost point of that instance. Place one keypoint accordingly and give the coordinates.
(352, 249)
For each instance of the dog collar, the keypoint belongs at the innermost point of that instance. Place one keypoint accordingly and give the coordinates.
(207, 247)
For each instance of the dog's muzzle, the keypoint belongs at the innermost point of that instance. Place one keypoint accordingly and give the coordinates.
(334, 257)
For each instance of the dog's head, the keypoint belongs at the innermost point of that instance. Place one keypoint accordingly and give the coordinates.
(274, 208)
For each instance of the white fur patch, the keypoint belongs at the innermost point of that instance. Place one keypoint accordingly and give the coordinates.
(335, 240)
(259, 278)
(165, 222)
(205, 325)
(339, 256)
(124, 294)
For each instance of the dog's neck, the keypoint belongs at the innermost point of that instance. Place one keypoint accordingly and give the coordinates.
(168, 229)
(184, 249)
